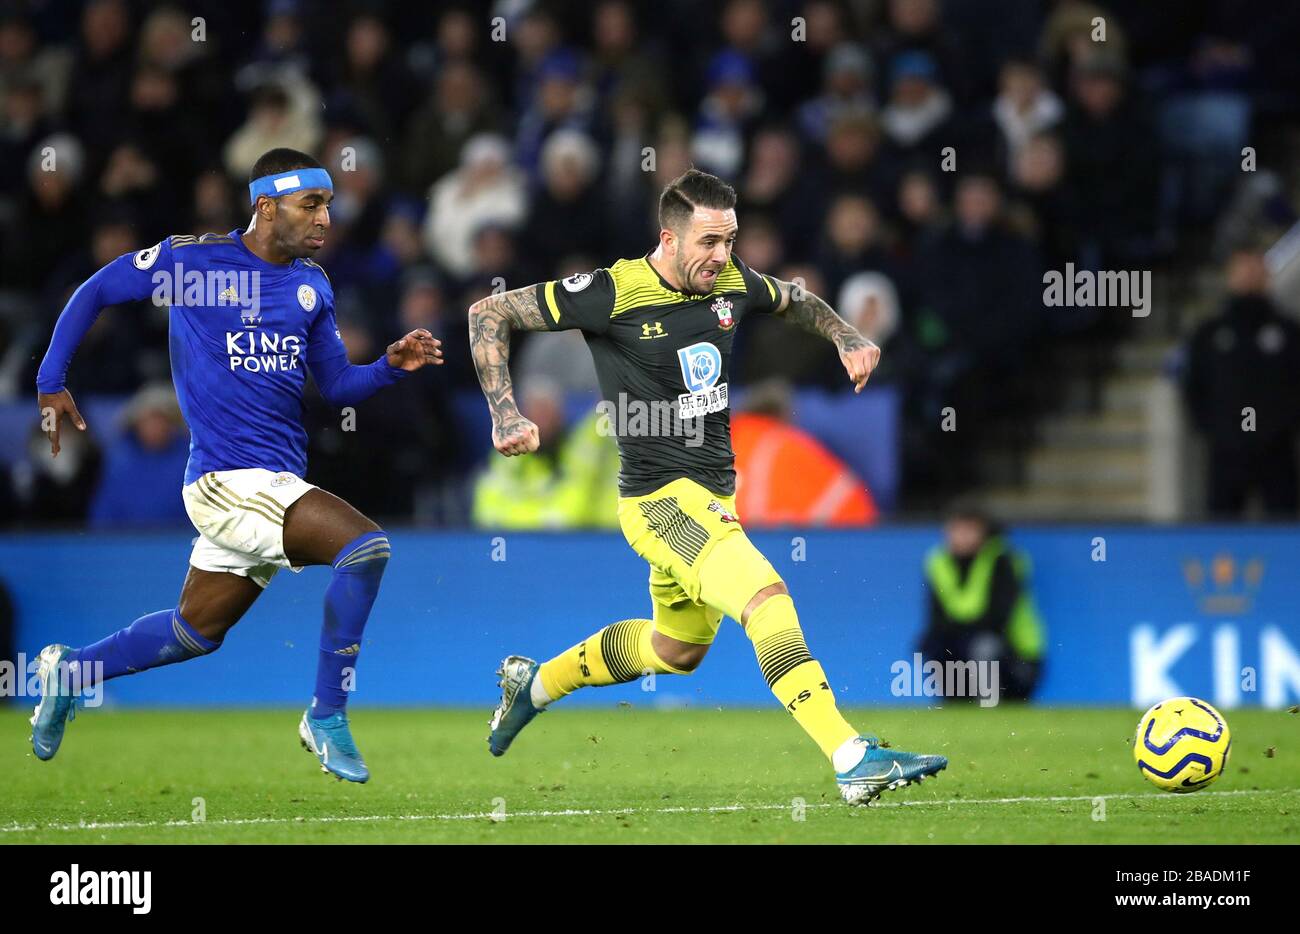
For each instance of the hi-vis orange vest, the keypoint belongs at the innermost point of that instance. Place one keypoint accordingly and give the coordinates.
(785, 477)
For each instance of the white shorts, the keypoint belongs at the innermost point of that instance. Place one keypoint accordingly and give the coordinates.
(239, 515)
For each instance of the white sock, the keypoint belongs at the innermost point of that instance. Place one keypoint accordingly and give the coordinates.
(849, 754)
(538, 694)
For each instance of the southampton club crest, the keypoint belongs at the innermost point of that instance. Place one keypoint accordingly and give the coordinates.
(722, 308)
(723, 512)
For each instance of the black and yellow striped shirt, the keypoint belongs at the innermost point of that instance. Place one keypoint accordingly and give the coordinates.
(662, 357)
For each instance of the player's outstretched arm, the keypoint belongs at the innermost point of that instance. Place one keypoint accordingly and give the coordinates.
(125, 279)
(342, 383)
(490, 322)
(805, 310)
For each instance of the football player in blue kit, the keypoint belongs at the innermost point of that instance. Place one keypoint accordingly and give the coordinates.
(249, 313)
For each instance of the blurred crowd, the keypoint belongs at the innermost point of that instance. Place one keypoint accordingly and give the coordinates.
(471, 152)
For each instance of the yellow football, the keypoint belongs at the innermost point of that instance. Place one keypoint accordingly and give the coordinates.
(1182, 745)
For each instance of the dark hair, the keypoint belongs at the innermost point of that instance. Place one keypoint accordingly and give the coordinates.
(690, 190)
(970, 509)
(275, 161)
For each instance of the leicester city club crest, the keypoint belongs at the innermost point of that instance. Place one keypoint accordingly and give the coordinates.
(722, 308)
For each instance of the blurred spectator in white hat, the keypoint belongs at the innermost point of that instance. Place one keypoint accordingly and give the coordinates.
(485, 189)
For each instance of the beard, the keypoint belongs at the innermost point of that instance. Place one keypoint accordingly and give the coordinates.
(295, 244)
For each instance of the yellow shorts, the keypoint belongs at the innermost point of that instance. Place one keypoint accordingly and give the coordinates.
(702, 565)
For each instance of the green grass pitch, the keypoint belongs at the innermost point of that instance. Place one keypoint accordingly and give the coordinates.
(631, 775)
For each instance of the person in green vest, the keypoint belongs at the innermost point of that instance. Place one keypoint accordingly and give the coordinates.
(571, 482)
(981, 606)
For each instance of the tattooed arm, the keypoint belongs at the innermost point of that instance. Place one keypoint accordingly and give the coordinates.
(808, 312)
(490, 322)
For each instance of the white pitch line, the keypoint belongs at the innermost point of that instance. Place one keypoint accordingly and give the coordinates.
(614, 812)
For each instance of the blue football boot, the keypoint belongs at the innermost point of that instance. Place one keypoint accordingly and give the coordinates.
(330, 741)
(58, 704)
(516, 709)
(882, 769)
